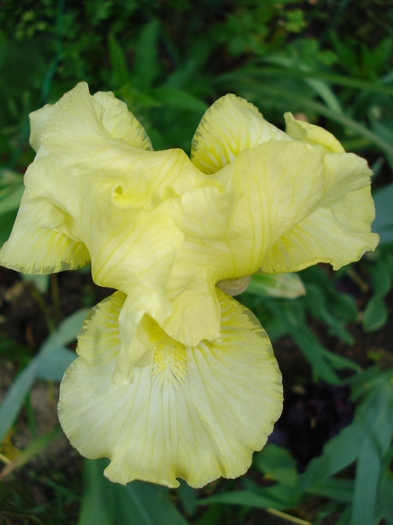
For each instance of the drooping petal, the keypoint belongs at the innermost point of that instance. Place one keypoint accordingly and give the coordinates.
(231, 125)
(137, 259)
(338, 231)
(36, 250)
(71, 137)
(282, 189)
(204, 222)
(267, 219)
(337, 234)
(90, 169)
(195, 413)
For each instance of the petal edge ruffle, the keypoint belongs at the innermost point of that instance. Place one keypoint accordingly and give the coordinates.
(205, 425)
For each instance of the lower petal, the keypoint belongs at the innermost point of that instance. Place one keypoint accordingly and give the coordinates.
(195, 413)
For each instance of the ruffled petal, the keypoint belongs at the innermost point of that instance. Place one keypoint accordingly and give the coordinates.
(80, 118)
(38, 119)
(288, 194)
(120, 123)
(231, 125)
(36, 250)
(284, 206)
(338, 234)
(196, 413)
(204, 222)
(315, 135)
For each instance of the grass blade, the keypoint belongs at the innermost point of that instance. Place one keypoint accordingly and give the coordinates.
(15, 397)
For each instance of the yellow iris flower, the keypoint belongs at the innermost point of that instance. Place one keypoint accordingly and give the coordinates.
(175, 379)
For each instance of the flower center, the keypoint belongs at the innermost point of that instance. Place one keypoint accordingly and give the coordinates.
(169, 357)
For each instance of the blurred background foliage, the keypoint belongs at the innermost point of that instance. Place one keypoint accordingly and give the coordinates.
(328, 61)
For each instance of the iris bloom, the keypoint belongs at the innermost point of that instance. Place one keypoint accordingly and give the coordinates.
(175, 378)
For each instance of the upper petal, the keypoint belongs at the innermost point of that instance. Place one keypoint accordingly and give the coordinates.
(79, 117)
(315, 135)
(230, 126)
(283, 186)
(337, 234)
(120, 122)
(196, 413)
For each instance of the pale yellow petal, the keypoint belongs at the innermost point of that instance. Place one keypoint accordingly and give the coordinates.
(80, 117)
(120, 123)
(338, 234)
(271, 192)
(38, 120)
(195, 413)
(37, 250)
(134, 251)
(230, 126)
(284, 186)
(315, 135)
(199, 264)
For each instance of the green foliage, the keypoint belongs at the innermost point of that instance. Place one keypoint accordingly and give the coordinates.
(331, 62)
(367, 441)
(139, 503)
(50, 363)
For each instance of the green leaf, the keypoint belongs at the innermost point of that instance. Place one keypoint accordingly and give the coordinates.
(146, 63)
(66, 331)
(15, 397)
(386, 492)
(149, 505)
(121, 74)
(345, 518)
(11, 191)
(383, 224)
(293, 315)
(325, 92)
(52, 365)
(375, 60)
(319, 304)
(41, 282)
(177, 98)
(377, 413)
(334, 488)
(9, 347)
(279, 93)
(315, 354)
(380, 274)
(370, 433)
(188, 497)
(277, 463)
(98, 496)
(375, 314)
(262, 71)
(366, 482)
(7, 222)
(339, 362)
(277, 496)
(338, 453)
